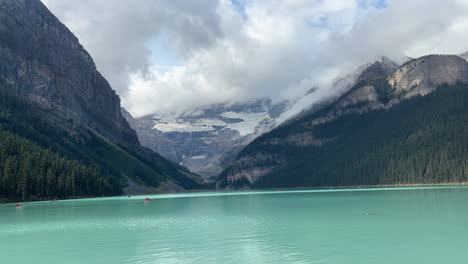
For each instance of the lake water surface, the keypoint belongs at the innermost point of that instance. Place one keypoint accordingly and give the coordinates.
(411, 225)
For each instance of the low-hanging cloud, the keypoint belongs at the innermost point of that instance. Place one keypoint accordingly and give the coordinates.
(235, 51)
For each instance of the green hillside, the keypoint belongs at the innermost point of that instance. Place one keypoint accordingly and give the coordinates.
(41, 161)
(420, 140)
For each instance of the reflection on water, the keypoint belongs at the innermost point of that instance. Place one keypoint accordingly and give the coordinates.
(415, 225)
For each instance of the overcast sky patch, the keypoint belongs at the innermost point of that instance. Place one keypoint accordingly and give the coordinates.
(172, 56)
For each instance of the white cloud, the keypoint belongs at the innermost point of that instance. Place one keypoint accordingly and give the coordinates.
(119, 33)
(275, 48)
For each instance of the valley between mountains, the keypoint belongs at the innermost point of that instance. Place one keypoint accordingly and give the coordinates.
(64, 134)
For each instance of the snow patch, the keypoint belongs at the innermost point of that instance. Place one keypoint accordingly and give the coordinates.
(180, 125)
(250, 123)
(198, 157)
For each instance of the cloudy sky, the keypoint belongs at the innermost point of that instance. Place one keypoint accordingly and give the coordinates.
(169, 56)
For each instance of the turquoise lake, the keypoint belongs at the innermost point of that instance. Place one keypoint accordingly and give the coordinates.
(407, 225)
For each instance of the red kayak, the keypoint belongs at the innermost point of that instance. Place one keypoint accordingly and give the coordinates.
(146, 199)
(19, 205)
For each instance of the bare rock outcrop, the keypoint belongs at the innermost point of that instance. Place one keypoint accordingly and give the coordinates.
(423, 75)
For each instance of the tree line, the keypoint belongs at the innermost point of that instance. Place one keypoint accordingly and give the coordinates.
(30, 172)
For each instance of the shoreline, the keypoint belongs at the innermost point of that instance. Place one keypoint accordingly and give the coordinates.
(241, 190)
(340, 187)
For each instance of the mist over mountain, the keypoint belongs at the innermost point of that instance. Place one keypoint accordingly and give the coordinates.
(464, 55)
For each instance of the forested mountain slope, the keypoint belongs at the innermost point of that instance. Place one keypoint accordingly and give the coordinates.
(41, 160)
(409, 127)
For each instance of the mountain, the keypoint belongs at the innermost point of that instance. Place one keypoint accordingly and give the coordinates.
(208, 138)
(55, 102)
(407, 127)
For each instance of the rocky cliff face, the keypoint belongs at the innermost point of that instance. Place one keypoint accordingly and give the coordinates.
(45, 62)
(376, 87)
(423, 75)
